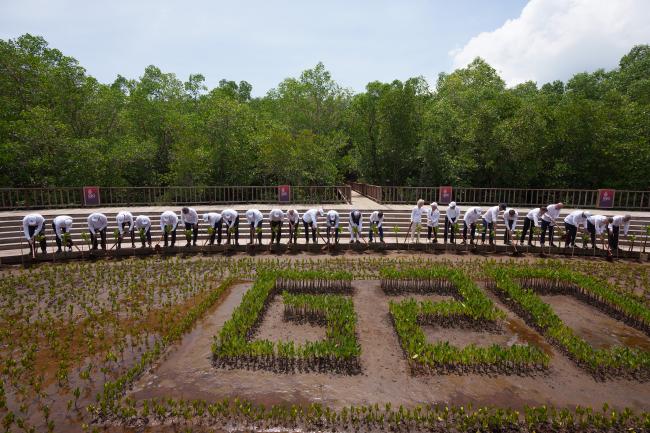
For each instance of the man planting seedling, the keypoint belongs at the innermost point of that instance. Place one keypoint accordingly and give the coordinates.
(143, 224)
(332, 225)
(230, 219)
(376, 225)
(597, 225)
(293, 217)
(355, 225)
(433, 217)
(97, 224)
(34, 230)
(510, 217)
(548, 222)
(124, 220)
(168, 225)
(416, 220)
(310, 221)
(254, 218)
(531, 221)
(276, 216)
(215, 226)
(571, 224)
(615, 227)
(469, 221)
(62, 225)
(490, 219)
(451, 218)
(191, 220)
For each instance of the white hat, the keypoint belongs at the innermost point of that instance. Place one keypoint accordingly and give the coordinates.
(586, 214)
(32, 221)
(479, 210)
(68, 222)
(452, 204)
(205, 217)
(94, 218)
(321, 212)
(120, 218)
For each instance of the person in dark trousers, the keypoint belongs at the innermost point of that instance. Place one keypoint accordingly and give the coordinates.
(214, 221)
(190, 218)
(469, 222)
(143, 225)
(615, 227)
(451, 217)
(596, 225)
(310, 221)
(571, 224)
(355, 225)
(34, 230)
(276, 216)
(230, 219)
(532, 220)
(293, 217)
(332, 223)
(376, 221)
(490, 220)
(254, 218)
(62, 225)
(125, 219)
(168, 225)
(510, 217)
(97, 223)
(548, 223)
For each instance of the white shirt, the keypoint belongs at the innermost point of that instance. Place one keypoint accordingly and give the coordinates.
(432, 217)
(416, 214)
(552, 212)
(293, 217)
(472, 215)
(311, 216)
(142, 222)
(618, 221)
(276, 215)
(374, 218)
(191, 217)
(168, 218)
(453, 213)
(124, 217)
(510, 219)
(575, 218)
(332, 219)
(60, 222)
(213, 218)
(352, 223)
(229, 216)
(254, 216)
(533, 215)
(37, 221)
(492, 214)
(599, 221)
(97, 222)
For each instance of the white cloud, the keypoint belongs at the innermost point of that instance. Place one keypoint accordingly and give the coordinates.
(554, 39)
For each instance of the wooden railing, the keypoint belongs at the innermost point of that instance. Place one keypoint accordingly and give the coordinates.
(623, 199)
(43, 198)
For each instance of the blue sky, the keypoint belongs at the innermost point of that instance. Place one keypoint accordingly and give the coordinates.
(264, 42)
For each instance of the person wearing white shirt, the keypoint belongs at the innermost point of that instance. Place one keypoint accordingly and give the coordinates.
(190, 218)
(416, 219)
(293, 217)
(469, 221)
(596, 225)
(332, 220)
(490, 219)
(433, 217)
(571, 224)
(230, 219)
(143, 225)
(532, 220)
(376, 220)
(548, 222)
(34, 229)
(254, 218)
(168, 224)
(615, 227)
(275, 217)
(97, 222)
(62, 225)
(125, 219)
(451, 217)
(355, 225)
(310, 221)
(510, 217)
(215, 222)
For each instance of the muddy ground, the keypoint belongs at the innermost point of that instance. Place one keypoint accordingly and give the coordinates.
(187, 372)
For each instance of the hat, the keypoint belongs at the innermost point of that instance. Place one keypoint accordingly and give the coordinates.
(68, 222)
(321, 212)
(94, 218)
(120, 218)
(478, 210)
(31, 221)
(452, 204)
(205, 216)
(586, 214)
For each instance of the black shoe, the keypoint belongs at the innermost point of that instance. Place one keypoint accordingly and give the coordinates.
(530, 244)
(553, 246)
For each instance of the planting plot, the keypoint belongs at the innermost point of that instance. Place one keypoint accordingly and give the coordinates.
(274, 327)
(464, 337)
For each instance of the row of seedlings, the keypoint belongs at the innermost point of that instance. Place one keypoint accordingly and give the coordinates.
(471, 309)
(305, 299)
(509, 283)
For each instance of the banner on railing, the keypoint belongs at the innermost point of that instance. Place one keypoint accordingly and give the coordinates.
(605, 198)
(444, 194)
(284, 193)
(91, 196)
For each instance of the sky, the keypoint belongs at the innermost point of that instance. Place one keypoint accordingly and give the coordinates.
(264, 42)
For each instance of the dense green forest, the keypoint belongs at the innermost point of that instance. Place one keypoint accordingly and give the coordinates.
(61, 127)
